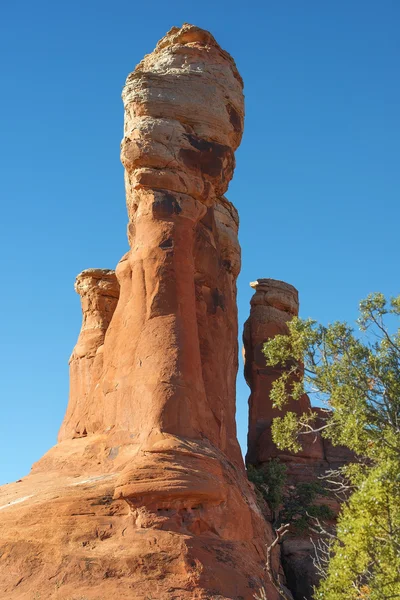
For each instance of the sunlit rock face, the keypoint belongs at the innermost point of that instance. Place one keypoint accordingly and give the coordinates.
(145, 495)
(183, 121)
(99, 293)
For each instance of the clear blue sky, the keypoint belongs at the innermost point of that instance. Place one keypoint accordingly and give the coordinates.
(317, 180)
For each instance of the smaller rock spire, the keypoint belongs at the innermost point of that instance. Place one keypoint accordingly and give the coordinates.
(272, 306)
(99, 292)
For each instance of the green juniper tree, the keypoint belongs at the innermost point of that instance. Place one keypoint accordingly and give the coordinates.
(356, 376)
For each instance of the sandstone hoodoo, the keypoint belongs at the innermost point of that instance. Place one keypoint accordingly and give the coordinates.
(273, 304)
(99, 292)
(145, 495)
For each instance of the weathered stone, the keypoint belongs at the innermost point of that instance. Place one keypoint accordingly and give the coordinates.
(99, 292)
(272, 306)
(153, 500)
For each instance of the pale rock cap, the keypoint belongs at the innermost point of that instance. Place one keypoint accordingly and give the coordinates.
(275, 293)
(103, 280)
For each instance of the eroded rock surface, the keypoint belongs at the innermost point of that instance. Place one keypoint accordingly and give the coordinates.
(99, 293)
(273, 304)
(145, 495)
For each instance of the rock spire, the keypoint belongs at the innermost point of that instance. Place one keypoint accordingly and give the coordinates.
(145, 495)
(273, 304)
(99, 293)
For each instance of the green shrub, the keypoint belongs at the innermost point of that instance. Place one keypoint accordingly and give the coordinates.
(296, 504)
(269, 481)
(299, 506)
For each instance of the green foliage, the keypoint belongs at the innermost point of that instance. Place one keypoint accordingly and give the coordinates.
(286, 431)
(357, 377)
(366, 555)
(297, 504)
(269, 481)
(300, 506)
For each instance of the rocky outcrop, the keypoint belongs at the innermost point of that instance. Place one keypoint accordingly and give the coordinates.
(176, 289)
(273, 304)
(145, 495)
(99, 293)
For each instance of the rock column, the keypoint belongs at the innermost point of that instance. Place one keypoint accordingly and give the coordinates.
(99, 292)
(152, 499)
(274, 303)
(183, 121)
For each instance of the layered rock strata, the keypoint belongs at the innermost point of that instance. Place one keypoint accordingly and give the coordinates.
(145, 495)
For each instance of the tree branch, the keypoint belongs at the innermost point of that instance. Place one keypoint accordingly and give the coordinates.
(275, 579)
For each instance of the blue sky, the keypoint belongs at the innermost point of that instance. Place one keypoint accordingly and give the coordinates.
(317, 180)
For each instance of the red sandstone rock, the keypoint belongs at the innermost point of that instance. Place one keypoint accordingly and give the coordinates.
(145, 495)
(272, 306)
(99, 292)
